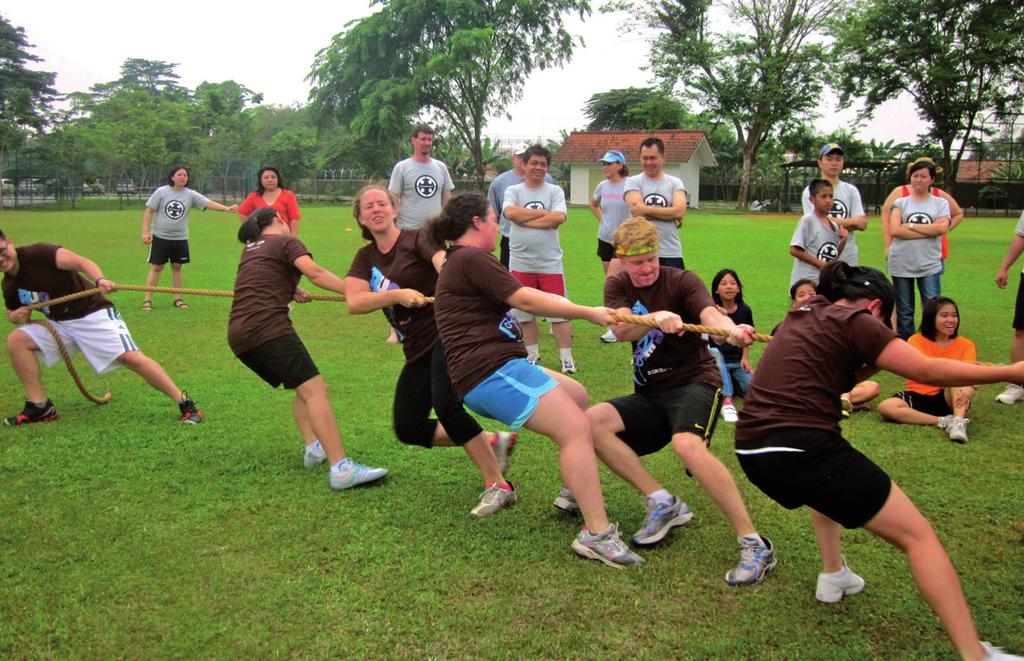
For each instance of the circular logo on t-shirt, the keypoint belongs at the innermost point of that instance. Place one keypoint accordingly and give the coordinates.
(656, 200)
(426, 185)
(838, 210)
(536, 204)
(828, 252)
(175, 210)
(920, 218)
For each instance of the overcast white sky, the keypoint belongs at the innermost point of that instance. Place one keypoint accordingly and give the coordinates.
(269, 47)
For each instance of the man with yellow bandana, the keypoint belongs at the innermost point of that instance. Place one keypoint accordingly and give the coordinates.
(676, 396)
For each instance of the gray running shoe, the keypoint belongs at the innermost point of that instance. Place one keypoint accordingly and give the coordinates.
(607, 547)
(567, 502)
(957, 429)
(755, 561)
(352, 474)
(661, 519)
(503, 443)
(494, 498)
(314, 455)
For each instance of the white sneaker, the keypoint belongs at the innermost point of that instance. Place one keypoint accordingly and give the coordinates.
(569, 366)
(567, 502)
(495, 498)
(957, 429)
(729, 413)
(350, 474)
(831, 589)
(609, 337)
(314, 455)
(533, 360)
(1011, 395)
(993, 653)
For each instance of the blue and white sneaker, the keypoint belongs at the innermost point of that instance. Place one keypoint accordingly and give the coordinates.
(347, 474)
(756, 559)
(314, 455)
(661, 518)
(607, 547)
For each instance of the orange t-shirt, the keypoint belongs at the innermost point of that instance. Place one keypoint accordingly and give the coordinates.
(959, 348)
(285, 204)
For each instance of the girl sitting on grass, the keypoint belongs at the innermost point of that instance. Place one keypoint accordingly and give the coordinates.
(923, 404)
(733, 362)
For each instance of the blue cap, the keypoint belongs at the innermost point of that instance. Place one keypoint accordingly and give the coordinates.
(829, 148)
(612, 156)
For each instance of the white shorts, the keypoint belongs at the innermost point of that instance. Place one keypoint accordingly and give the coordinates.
(101, 336)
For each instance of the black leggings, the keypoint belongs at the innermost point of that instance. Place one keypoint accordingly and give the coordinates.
(425, 384)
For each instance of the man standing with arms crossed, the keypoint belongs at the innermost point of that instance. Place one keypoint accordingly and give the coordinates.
(847, 209)
(422, 183)
(661, 199)
(496, 194)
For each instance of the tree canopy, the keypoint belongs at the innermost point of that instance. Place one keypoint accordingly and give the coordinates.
(460, 60)
(646, 108)
(957, 59)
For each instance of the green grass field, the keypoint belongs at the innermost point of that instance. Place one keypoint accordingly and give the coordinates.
(124, 534)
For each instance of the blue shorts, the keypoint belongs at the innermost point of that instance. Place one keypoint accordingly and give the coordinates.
(511, 393)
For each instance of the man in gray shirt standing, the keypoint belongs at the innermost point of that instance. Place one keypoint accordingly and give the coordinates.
(847, 208)
(661, 199)
(536, 209)
(496, 194)
(422, 183)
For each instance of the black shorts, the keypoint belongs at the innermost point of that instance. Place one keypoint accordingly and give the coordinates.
(931, 404)
(281, 361)
(672, 262)
(162, 251)
(1018, 310)
(819, 469)
(650, 420)
(605, 250)
(505, 253)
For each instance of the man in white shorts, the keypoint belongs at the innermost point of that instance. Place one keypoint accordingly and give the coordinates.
(41, 272)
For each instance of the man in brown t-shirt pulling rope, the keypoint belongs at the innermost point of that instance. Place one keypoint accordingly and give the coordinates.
(41, 272)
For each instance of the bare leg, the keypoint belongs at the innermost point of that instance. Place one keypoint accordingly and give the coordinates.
(572, 387)
(563, 334)
(959, 399)
(317, 406)
(302, 420)
(1017, 348)
(604, 265)
(897, 410)
(715, 478)
(177, 279)
(864, 392)
(903, 526)
(479, 451)
(829, 534)
(616, 455)
(152, 279)
(21, 350)
(152, 372)
(529, 332)
(559, 418)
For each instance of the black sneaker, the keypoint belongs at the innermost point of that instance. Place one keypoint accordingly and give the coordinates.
(190, 415)
(33, 413)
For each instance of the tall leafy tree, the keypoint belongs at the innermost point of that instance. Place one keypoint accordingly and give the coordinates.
(226, 128)
(461, 60)
(763, 72)
(25, 95)
(957, 59)
(646, 108)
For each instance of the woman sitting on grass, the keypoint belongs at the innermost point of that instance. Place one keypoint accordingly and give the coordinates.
(789, 443)
(484, 348)
(396, 271)
(923, 404)
(262, 337)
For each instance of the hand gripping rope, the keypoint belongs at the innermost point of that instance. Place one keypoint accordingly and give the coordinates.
(693, 328)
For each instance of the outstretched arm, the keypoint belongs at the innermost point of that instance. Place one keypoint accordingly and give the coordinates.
(541, 303)
(901, 358)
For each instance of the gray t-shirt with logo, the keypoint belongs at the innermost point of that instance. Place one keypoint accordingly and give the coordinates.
(658, 193)
(533, 250)
(496, 196)
(916, 258)
(614, 209)
(419, 187)
(171, 206)
(846, 203)
(816, 240)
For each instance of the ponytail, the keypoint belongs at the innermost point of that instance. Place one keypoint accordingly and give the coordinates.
(255, 224)
(839, 280)
(456, 218)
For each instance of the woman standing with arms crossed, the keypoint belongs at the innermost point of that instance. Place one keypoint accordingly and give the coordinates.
(789, 444)
(395, 272)
(165, 230)
(262, 337)
(487, 360)
(270, 192)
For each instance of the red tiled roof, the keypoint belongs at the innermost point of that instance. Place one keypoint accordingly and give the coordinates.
(589, 146)
(979, 171)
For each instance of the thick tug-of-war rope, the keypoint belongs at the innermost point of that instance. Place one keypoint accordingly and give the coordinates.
(693, 328)
(103, 399)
